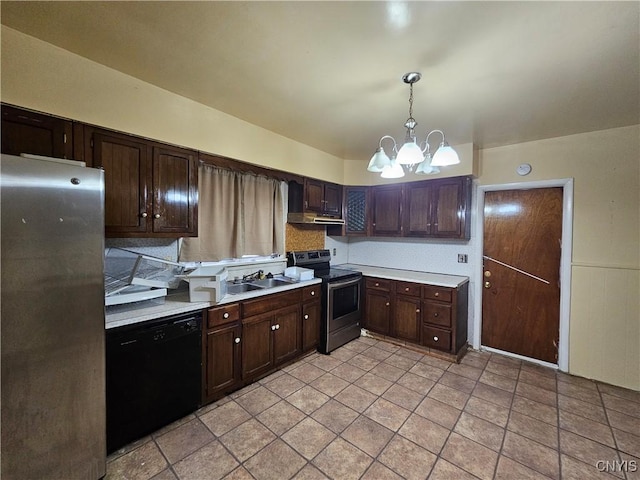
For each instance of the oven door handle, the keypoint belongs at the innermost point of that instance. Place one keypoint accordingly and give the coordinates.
(346, 283)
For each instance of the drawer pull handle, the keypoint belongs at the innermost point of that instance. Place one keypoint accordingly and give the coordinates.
(237, 340)
(406, 289)
(437, 294)
(435, 339)
(313, 293)
(386, 304)
(225, 315)
(417, 310)
(435, 314)
(306, 317)
(377, 284)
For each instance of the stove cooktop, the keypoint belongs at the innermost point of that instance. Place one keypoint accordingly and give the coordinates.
(318, 261)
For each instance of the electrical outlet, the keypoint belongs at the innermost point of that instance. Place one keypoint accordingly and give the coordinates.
(462, 258)
(334, 252)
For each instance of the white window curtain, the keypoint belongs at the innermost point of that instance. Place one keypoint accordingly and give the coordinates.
(238, 214)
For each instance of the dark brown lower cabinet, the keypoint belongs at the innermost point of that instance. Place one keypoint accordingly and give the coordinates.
(273, 334)
(310, 325)
(407, 318)
(245, 341)
(428, 315)
(223, 359)
(286, 334)
(378, 311)
(257, 347)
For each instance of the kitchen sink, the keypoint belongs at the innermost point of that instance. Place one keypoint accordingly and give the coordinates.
(251, 285)
(234, 288)
(269, 282)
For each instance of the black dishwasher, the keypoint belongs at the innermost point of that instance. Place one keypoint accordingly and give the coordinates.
(153, 375)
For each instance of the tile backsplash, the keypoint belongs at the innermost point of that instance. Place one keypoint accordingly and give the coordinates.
(304, 237)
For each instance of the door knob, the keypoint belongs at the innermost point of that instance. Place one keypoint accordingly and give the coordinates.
(487, 284)
(487, 273)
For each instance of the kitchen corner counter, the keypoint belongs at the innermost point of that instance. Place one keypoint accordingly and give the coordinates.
(438, 279)
(177, 303)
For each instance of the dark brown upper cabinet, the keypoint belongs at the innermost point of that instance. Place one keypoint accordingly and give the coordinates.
(355, 212)
(322, 198)
(24, 131)
(150, 188)
(315, 197)
(386, 210)
(427, 209)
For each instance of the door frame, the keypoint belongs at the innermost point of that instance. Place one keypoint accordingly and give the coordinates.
(565, 263)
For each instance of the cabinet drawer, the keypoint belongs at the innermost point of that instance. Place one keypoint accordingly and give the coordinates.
(436, 338)
(224, 314)
(442, 294)
(268, 303)
(437, 313)
(379, 284)
(408, 288)
(311, 293)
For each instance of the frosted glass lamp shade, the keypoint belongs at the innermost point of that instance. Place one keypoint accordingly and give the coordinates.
(445, 156)
(425, 168)
(410, 153)
(379, 161)
(392, 171)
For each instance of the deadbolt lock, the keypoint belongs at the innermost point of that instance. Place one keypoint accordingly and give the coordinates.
(487, 273)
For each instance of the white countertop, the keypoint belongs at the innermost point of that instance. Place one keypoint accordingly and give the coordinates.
(178, 302)
(437, 279)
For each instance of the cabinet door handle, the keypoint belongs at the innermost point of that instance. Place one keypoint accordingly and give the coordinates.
(437, 294)
(278, 326)
(306, 317)
(144, 214)
(237, 340)
(417, 310)
(377, 284)
(273, 327)
(386, 304)
(157, 215)
(435, 314)
(313, 293)
(435, 339)
(406, 289)
(225, 315)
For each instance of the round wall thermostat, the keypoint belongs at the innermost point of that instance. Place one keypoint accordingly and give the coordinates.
(523, 169)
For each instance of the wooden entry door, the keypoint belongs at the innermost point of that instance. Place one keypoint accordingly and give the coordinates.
(521, 272)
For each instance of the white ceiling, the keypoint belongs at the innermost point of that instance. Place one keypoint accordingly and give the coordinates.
(328, 74)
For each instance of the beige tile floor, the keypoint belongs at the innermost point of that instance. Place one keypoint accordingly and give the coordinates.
(373, 410)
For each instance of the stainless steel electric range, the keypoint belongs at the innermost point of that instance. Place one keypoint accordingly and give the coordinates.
(341, 298)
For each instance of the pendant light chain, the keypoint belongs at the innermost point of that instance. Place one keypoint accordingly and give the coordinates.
(411, 100)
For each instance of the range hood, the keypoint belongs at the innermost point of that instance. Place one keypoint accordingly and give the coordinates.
(310, 218)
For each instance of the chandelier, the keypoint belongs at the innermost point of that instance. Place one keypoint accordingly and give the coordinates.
(411, 153)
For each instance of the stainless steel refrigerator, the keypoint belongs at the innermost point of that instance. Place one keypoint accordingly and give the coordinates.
(52, 320)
